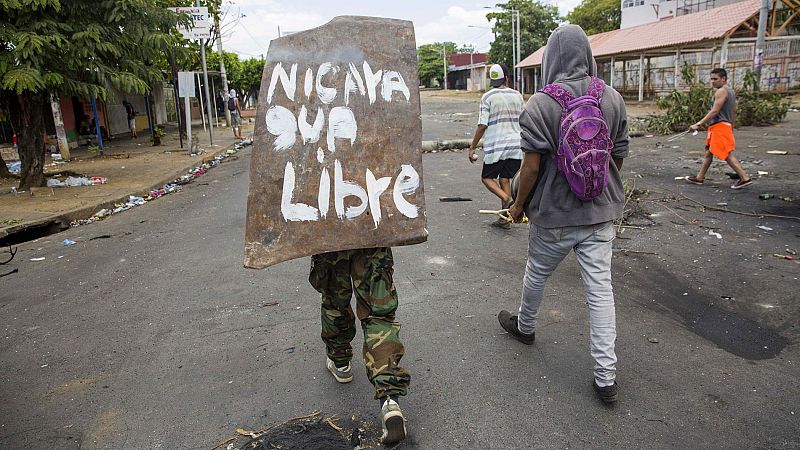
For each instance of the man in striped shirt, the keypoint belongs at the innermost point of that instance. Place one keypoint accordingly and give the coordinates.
(498, 125)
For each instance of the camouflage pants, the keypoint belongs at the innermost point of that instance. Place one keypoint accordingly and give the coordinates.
(368, 273)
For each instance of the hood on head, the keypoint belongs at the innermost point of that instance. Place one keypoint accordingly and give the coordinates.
(567, 55)
(232, 93)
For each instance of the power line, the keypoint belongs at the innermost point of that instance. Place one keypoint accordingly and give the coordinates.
(258, 44)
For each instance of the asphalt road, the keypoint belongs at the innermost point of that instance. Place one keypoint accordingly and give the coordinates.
(150, 334)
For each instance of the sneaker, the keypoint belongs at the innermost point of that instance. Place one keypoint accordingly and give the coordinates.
(509, 323)
(607, 394)
(742, 183)
(501, 223)
(394, 423)
(694, 180)
(342, 374)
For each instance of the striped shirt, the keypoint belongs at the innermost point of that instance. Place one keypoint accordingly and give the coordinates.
(500, 110)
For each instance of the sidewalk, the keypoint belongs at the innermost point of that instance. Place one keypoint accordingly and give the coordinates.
(132, 167)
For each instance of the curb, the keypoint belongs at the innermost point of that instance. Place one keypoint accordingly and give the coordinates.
(431, 146)
(64, 219)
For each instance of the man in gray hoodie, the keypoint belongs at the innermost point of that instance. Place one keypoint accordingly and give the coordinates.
(561, 222)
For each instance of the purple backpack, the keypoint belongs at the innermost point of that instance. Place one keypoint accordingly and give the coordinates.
(584, 145)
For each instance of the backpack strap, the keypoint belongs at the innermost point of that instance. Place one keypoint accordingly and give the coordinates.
(596, 88)
(559, 94)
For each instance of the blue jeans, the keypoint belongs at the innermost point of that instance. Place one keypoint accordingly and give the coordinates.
(592, 245)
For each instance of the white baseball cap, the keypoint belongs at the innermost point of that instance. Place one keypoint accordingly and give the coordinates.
(496, 75)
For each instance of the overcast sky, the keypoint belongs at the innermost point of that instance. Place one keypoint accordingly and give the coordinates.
(462, 22)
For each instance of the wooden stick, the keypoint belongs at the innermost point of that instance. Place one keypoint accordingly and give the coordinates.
(679, 216)
(714, 208)
(224, 442)
(636, 251)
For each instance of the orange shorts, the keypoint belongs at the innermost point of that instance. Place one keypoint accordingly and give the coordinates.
(720, 141)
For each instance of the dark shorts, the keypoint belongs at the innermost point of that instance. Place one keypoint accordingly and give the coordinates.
(236, 119)
(505, 168)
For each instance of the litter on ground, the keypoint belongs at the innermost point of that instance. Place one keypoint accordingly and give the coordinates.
(168, 188)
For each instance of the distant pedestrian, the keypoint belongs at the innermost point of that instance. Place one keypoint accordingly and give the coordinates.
(368, 273)
(236, 116)
(498, 125)
(719, 139)
(219, 102)
(131, 114)
(571, 131)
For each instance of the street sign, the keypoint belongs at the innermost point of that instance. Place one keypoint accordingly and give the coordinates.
(200, 28)
(337, 161)
(186, 84)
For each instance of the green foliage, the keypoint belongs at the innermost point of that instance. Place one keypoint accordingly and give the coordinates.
(754, 107)
(80, 47)
(596, 16)
(431, 61)
(683, 108)
(537, 21)
(244, 76)
(249, 81)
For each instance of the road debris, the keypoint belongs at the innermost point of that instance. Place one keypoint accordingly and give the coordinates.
(77, 181)
(652, 340)
(37, 259)
(169, 188)
(778, 152)
(765, 228)
(715, 234)
(788, 257)
(455, 199)
(69, 242)
(766, 196)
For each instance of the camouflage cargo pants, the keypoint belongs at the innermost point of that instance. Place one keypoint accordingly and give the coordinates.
(368, 273)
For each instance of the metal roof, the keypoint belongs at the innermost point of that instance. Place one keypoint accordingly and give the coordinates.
(710, 24)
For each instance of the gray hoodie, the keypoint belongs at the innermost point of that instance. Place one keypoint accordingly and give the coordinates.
(568, 61)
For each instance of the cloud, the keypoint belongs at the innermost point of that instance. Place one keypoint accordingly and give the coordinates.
(565, 6)
(461, 26)
(251, 36)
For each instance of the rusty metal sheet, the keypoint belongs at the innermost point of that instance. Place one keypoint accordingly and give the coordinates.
(336, 160)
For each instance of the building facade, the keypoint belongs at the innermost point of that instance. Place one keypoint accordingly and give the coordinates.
(640, 12)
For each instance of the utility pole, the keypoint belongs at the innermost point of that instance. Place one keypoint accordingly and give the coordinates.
(205, 79)
(444, 62)
(222, 72)
(519, 51)
(513, 49)
(758, 57)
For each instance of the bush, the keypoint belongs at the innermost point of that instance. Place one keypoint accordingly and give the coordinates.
(759, 108)
(684, 108)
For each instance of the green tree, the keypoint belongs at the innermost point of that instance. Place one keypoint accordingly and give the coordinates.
(250, 79)
(75, 47)
(596, 16)
(537, 21)
(244, 76)
(431, 61)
